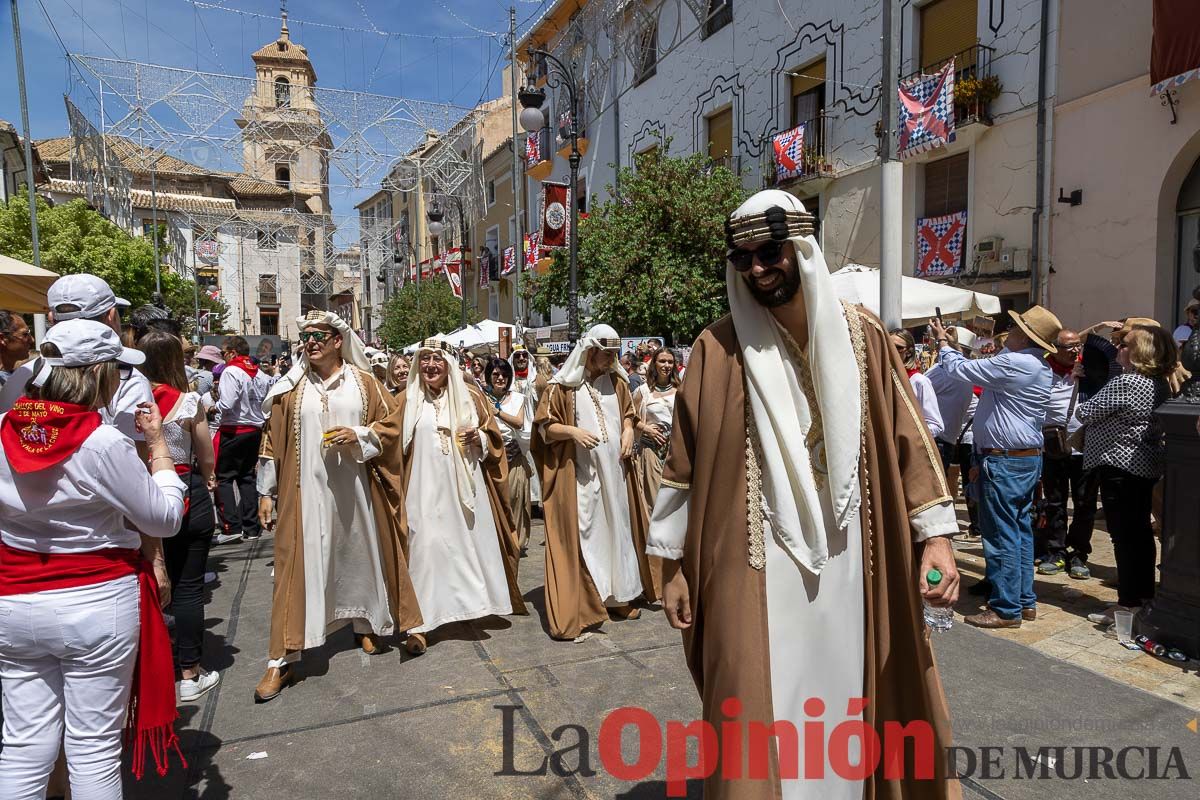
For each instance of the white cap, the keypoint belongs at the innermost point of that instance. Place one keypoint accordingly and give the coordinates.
(91, 294)
(82, 342)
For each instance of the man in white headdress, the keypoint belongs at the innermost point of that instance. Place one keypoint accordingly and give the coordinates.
(596, 563)
(339, 557)
(802, 506)
(458, 531)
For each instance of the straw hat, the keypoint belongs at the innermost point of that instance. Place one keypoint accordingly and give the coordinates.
(1128, 325)
(1039, 325)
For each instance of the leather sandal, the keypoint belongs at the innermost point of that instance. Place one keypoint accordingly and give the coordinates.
(272, 683)
(416, 644)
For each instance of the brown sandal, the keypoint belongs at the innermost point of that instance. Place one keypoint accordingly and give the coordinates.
(416, 644)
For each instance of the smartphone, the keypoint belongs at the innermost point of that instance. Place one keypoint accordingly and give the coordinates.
(937, 310)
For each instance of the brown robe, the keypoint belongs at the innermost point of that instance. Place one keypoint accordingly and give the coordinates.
(495, 473)
(572, 601)
(281, 443)
(726, 645)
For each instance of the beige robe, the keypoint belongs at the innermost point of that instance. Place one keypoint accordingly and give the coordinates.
(572, 601)
(726, 645)
(279, 444)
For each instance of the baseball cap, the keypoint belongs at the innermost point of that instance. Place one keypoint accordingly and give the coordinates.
(89, 293)
(82, 342)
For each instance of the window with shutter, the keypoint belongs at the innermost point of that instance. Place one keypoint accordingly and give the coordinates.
(808, 92)
(946, 185)
(948, 27)
(720, 136)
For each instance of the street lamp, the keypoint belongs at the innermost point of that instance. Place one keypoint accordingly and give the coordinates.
(533, 119)
(437, 228)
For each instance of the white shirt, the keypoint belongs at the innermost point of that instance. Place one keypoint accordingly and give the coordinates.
(240, 397)
(121, 412)
(81, 504)
(954, 400)
(1182, 333)
(1062, 387)
(927, 398)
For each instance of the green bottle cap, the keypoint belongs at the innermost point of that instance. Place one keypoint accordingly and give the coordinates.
(933, 577)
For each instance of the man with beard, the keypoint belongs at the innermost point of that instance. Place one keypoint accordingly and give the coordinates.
(796, 570)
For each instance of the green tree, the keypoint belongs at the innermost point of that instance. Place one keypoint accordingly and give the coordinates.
(74, 238)
(421, 310)
(651, 257)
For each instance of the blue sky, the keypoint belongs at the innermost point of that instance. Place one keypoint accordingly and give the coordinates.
(441, 57)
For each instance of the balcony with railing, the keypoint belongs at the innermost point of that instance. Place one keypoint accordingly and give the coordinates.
(975, 85)
(268, 290)
(813, 162)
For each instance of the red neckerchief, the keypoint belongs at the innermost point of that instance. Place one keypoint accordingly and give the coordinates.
(165, 397)
(151, 716)
(912, 371)
(244, 363)
(37, 434)
(977, 390)
(1059, 369)
(522, 373)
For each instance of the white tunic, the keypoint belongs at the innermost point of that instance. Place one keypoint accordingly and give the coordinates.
(659, 409)
(455, 562)
(605, 537)
(526, 388)
(343, 573)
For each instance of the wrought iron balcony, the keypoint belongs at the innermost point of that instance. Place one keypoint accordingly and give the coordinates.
(814, 161)
(975, 85)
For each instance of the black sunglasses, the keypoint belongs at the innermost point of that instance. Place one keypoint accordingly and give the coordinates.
(315, 336)
(768, 255)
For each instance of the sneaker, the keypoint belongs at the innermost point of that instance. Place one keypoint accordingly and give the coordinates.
(226, 538)
(1079, 569)
(1108, 615)
(251, 537)
(1052, 565)
(194, 689)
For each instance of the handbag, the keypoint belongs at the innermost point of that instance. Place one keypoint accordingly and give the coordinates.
(1056, 442)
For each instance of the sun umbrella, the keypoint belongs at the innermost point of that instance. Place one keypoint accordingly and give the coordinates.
(23, 286)
(919, 298)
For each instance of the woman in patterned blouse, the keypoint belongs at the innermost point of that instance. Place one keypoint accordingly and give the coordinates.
(1125, 445)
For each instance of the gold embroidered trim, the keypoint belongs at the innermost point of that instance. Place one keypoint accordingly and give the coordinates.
(923, 430)
(929, 505)
(676, 485)
(858, 341)
(757, 547)
(595, 395)
(297, 404)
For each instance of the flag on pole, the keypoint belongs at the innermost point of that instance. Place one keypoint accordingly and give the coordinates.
(452, 268)
(789, 153)
(533, 150)
(940, 244)
(554, 214)
(510, 260)
(926, 111)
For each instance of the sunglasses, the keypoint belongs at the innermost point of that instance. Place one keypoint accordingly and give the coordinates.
(768, 255)
(315, 336)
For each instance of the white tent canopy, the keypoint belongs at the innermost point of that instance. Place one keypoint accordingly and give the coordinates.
(23, 286)
(919, 298)
(485, 332)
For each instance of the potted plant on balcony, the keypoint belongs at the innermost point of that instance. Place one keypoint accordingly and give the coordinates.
(972, 96)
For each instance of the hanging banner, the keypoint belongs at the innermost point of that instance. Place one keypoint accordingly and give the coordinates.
(554, 214)
(452, 269)
(789, 154)
(485, 267)
(510, 260)
(926, 111)
(214, 293)
(533, 246)
(533, 151)
(940, 245)
(1175, 45)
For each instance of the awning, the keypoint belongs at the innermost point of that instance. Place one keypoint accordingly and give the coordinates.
(919, 298)
(23, 286)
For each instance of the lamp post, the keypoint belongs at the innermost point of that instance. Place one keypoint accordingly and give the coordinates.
(534, 119)
(437, 228)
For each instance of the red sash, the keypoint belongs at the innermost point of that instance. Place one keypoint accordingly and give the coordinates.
(244, 363)
(912, 371)
(152, 714)
(165, 397)
(37, 434)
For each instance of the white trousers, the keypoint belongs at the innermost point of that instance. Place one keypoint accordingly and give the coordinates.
(66, 661)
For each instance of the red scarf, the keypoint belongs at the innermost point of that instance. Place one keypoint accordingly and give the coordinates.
(152, 714)
(244, 363)
(37, 434)
(1059, 369)
(912, 371)
(522, 373)
(165, 397)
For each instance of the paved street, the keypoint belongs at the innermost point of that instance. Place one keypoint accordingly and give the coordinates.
(395, 726)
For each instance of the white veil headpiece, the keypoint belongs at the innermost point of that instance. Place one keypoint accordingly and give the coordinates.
(353, 352)
(773, 387)
(460, 408)
(574, 370)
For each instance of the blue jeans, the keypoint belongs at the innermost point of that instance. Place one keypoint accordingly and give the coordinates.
(1005, 506)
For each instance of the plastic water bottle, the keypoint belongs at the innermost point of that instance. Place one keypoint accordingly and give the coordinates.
(938, 619)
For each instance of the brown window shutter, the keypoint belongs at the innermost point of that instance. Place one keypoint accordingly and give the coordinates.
(946, 185)
(809, 77)
(720, 134)
(947, 27)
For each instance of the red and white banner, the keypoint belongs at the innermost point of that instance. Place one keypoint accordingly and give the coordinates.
(533, 151)
(485, 267)
(554, 215)
(789, 153)
(533, 248)
(510, 261)
(452, 268)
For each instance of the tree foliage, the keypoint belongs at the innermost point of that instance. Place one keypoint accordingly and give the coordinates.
(420, 310)
(73, 238)
(651, 257)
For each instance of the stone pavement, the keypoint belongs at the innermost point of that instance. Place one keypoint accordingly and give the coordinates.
(393, 726)
(1062, 629)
